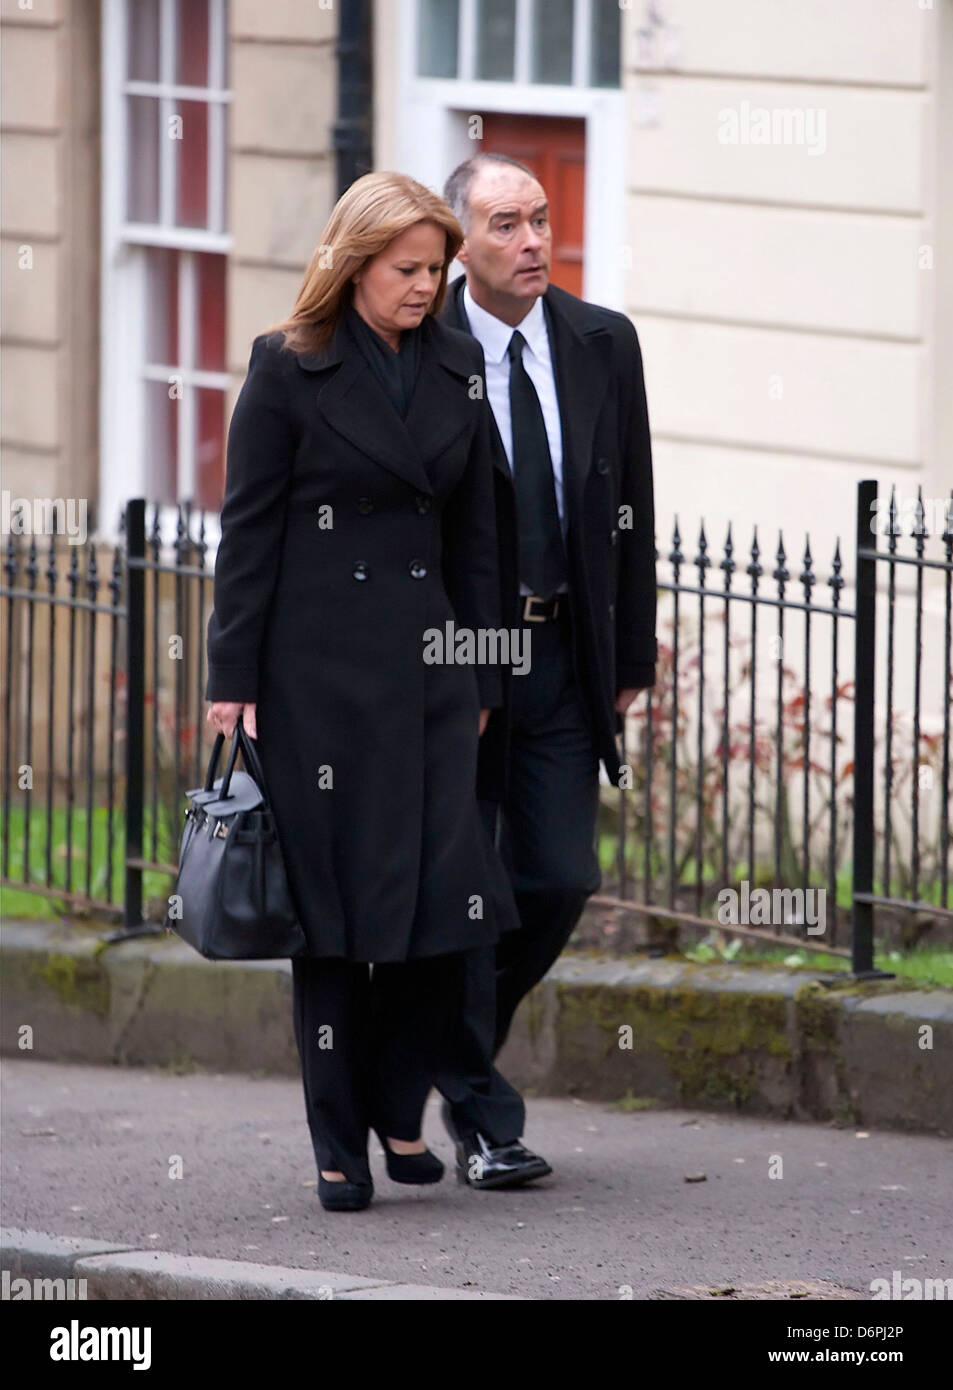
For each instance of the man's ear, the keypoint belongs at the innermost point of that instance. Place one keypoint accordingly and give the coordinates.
(463, 255)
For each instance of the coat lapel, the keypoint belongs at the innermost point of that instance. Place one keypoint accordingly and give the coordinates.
(582, 361)
(438, 410)
(456, 316)
(355, 406)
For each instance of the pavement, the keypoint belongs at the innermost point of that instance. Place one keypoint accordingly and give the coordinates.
(766, 1040)
(644, 1203)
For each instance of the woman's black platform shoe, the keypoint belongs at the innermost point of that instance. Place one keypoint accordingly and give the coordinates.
(411, 1168)
(344, 1196)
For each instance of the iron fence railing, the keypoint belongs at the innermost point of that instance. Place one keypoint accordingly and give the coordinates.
(743, 769)
(924, 755)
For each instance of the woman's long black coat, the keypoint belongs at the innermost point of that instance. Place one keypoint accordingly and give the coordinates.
(347, 533)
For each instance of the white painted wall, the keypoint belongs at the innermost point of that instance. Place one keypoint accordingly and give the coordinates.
(787, 324)
(791, 336)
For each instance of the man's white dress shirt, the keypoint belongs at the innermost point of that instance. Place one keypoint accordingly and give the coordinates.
(494, 336)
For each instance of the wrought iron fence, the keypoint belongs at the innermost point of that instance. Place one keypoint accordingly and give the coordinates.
(708, 760)
(928, 753)
(737, 771)
(57, 619)
(750, 778)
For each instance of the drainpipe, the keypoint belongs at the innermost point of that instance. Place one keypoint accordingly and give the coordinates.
(352, 129)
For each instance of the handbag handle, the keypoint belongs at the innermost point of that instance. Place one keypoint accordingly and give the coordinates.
(250, 756)
(242, 739)
(213, 761)
(213, 764)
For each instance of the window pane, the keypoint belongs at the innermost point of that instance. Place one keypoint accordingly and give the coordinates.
(191, 66)
(162, 306)
(496, 39)
(210, 355)
(142, 172)
(209, 449)
(552, 41)
(191, 180)
(606, 43)
(143, 36)
(161, 443)
(438, 33)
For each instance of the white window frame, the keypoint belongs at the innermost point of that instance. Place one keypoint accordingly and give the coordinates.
(431, 137)
(123, 370)
(523, 40)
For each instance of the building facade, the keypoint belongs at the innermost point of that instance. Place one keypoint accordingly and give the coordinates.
(757, 184)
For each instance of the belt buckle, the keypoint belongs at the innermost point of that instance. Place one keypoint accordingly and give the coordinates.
(527, 606)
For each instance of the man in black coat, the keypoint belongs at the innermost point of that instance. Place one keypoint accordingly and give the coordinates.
(575, 524)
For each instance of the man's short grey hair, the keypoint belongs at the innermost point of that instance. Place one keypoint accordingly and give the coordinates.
(456, 191)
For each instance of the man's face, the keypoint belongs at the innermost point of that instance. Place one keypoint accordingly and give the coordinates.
(508, 244)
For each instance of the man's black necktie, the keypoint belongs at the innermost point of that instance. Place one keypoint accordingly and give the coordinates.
(542, 555)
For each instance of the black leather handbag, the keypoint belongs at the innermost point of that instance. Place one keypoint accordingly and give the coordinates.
(231, 899)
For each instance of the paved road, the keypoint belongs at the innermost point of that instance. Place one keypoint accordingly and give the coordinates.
(87, 1151)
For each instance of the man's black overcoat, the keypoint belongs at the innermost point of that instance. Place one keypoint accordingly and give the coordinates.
(347, 533)
(607, 477)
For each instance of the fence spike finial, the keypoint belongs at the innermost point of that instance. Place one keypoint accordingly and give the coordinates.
(675, 555)
(31, 568)
(781, 573)
(92, 570)
(73, 577)
(181, 534)
(754, 568)
(51, 573)
(727, 564)
(12, 560)
(893, 523)
(702, 562)
(155, 535)
(201, 544)
(920, 531)
(115, 578)
(836, 580)
(806, 577)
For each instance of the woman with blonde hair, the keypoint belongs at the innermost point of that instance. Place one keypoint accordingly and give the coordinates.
(358, 520)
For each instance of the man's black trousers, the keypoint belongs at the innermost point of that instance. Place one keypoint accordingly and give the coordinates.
(547, 834)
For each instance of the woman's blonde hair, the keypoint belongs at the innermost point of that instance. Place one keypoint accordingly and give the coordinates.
(366, 218)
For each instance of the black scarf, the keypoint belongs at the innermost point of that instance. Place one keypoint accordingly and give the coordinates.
(396, 371)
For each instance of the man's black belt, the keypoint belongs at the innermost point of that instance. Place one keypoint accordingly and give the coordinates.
(538, 610)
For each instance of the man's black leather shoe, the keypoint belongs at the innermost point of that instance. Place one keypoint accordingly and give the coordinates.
(480, 1164)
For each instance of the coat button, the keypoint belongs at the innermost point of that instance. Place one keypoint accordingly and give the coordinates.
(365, 506)
(418, 570)
(602, 465)
(361, 570)
(613, 538)
(611, 610)
(422, 504)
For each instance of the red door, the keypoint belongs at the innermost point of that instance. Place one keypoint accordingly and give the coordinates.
(555, 149)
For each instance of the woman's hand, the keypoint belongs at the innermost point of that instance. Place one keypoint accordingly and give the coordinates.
(223, 716)
(484, 716)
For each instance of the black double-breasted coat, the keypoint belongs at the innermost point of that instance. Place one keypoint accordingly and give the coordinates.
(607, 479)
(346, 533)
